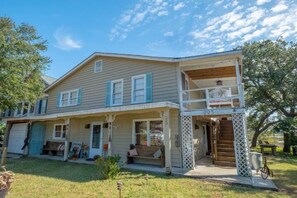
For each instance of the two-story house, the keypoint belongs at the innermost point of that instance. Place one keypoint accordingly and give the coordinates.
(191, 106)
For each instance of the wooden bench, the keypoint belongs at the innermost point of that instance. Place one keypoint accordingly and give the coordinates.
(147, 153)
(267, 145)
(53, 148)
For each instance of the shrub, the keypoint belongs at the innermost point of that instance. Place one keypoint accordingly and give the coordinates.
(109, 167)
(6, 179)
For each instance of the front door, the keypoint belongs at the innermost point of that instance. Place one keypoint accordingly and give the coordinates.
(96, 140)
(36, 138)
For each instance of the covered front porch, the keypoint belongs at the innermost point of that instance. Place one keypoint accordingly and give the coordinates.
(109, 133)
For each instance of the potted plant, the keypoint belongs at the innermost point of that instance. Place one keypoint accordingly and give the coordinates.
(6, 179)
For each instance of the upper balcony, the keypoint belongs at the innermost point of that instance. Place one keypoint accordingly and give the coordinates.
(212, 86)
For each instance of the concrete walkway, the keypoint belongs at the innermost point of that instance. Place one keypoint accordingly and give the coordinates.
(211, 172)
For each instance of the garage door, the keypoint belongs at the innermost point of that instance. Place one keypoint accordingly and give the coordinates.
(17, 136)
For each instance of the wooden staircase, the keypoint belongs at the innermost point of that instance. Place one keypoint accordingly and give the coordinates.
(225, 148)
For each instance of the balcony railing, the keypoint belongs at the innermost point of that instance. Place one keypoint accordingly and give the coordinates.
(212, 98)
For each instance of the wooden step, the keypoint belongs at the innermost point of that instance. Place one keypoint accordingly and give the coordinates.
(225, 163)
(225, 158)
(227, 137)
(227, 154)
(226, 141)
(223, 149)
(224, 145)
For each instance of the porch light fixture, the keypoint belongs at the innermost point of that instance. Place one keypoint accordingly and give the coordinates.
(219, 82)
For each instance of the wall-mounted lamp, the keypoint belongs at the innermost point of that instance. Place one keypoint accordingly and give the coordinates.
(219, 82)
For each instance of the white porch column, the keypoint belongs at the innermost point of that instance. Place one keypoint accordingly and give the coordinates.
(239, 85)
(187, 142)
(67, 133)
(165, 115)
(241, 145)
(110, 119)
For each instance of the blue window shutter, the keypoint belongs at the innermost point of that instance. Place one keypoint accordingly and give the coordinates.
(149, 87)
(39, 106)
(108, 93)
(58, 99)
(79, 96)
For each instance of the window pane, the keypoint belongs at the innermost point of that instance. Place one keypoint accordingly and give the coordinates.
(139, 99)
(156, 126)
(141, 139)
(65, 96)
(156, 130)
(139, 93)
(157, 139)
(139, 83)
(58, 128)
(141, 127)
(117, 100)
(73, 98)
(96, 136)
(117, 93)
(64, 99)
(58, 134)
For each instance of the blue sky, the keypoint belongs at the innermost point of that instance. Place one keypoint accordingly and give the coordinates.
(75, 29)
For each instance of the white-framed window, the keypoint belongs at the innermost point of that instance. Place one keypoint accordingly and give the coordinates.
(69, 98)
(148, 132)
(59, 131)
(98, 66)
(138, 88)
(117, 92)
(24, 109)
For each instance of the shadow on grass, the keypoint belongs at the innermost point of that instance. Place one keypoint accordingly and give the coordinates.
(53, 169)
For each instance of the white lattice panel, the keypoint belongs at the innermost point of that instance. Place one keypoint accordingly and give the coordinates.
(241, 145)
(187, 142)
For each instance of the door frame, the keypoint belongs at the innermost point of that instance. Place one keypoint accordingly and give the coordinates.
(101, 136)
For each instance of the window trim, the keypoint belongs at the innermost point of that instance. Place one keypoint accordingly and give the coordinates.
(54, 131)
(69, 91)
(122, 92)
(132, 92)
(148, 120)
(95, 71)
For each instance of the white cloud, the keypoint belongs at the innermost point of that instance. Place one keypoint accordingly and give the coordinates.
(273, 20)
(279, 7)
(219, 2)
(179, 6)
(125, 19)
(261, 2)
(163, 13)
(169, 34)
(253, 35)
(65, 41)
(143, 12)
(138, 18)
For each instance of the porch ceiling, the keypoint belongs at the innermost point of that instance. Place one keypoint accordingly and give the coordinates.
(210, 73)
(137, 108)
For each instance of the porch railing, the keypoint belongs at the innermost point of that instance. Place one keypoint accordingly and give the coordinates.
(212, 97)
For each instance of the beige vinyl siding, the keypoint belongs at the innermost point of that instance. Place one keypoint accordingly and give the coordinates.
(122, 132)
(93, 85)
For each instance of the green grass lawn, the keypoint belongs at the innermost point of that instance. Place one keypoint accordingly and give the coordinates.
(46, 178)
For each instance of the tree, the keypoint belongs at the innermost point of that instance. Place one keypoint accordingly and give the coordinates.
(260, 120)
(270, 79)
(21, 63)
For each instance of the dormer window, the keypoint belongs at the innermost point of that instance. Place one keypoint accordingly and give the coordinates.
(98, 66)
